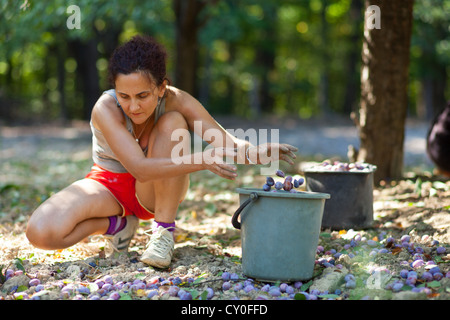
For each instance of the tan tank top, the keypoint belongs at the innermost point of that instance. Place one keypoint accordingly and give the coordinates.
(102, 154)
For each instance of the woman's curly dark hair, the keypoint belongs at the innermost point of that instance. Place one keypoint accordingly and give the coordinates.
(139, 54)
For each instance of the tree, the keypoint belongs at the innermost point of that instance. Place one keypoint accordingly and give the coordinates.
(188, 23)
(351, 96)
(384, 83)
(265, 56)
(324, 83)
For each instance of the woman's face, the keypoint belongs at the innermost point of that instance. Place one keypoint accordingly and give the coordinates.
(137, 95)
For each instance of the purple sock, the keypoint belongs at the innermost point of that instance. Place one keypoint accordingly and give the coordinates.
(116, 224)
(169, 226)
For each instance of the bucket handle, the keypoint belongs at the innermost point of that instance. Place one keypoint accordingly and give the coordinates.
(234, 219)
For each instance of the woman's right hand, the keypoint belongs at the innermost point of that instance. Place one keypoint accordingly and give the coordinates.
(213, 160)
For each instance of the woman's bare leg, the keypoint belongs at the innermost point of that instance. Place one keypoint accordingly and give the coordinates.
(163, 196)
(71, 215)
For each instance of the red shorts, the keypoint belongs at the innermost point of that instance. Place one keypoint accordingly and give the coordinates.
(123, 187)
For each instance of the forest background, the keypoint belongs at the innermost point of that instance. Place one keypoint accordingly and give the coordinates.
(293, 59)
(297, 58)
(297, 63)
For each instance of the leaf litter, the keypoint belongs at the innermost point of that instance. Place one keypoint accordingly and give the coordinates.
(206, 243)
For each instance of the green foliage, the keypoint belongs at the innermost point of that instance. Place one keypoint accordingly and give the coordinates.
(279, 52)
(18, 263)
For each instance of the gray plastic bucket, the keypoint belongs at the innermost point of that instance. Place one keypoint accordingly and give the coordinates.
(351, 203)
(279, 233)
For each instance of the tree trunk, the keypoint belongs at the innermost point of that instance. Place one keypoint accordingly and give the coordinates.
(61, 71)
(324, 83)
(86, 55)
(384, 83)
(265, 58)
(432, 96)
(187, 26)
(6, 93)
(351, 97)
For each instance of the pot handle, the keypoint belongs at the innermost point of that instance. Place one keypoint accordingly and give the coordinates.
(234, 220)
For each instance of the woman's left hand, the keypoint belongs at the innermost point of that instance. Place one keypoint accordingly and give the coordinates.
(269, 152)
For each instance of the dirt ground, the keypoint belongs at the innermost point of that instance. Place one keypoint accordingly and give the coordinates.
(34, 166)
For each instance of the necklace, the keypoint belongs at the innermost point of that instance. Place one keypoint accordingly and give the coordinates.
(146, 122)
(145, 126)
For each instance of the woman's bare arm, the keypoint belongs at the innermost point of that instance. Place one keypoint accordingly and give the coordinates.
(109, 119)
(194, 112)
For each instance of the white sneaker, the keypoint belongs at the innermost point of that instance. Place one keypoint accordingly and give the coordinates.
(159, 249)
(121, 240)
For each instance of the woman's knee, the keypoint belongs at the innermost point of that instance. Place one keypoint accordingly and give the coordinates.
(171, 121)
(40, 233)
(44, 228)
(170, 129)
